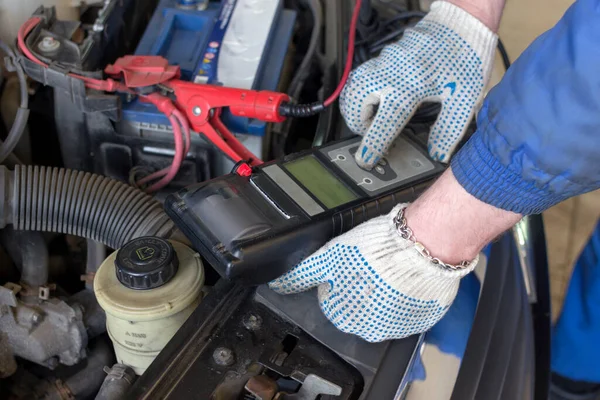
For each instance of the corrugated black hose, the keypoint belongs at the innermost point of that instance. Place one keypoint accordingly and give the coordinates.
(79, 203)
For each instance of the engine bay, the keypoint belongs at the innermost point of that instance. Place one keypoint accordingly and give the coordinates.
(102, 294)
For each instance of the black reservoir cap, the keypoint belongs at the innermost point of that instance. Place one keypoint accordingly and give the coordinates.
(146, 263)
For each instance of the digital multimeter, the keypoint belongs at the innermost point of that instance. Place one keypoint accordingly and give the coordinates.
(257, 228)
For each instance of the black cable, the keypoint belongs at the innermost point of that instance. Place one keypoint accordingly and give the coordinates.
(20, 123)
(384, 41)
(303, 70)
(362, 55)
(503, 54)
(369, 26)
(306, 110)
(426, 113)
(300, 110)
(366, 47)
(3, 130)
(403, 16)
(385, 24)
(299, 78)
(366, 13)
(392, 5)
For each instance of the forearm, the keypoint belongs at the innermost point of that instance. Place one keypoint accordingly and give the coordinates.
(452, 224)
(487, 11)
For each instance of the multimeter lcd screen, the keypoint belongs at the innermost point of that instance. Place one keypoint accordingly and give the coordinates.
(320, 182)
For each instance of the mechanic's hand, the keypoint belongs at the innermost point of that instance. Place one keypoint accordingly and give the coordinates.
(447, 57)
(375, 284)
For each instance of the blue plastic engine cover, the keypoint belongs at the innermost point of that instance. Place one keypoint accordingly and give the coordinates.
(236, 43)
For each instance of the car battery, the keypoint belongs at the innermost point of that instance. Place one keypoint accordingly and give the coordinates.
(234, 43)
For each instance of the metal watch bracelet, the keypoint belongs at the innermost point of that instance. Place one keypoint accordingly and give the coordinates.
(406, 233)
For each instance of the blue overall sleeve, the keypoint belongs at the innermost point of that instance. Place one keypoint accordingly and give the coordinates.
(575, 350)
(538, 137)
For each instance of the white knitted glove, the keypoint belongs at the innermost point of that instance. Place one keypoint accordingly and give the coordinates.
(374, 284)
(447, 57)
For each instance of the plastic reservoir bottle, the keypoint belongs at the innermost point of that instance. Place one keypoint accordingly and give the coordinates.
(148, 289)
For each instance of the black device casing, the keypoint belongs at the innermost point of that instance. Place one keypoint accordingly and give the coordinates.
(258, 243)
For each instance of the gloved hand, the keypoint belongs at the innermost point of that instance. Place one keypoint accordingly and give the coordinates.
(447, 57)
(375, 284)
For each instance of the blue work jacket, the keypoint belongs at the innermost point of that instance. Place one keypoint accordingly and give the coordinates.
(538, 137)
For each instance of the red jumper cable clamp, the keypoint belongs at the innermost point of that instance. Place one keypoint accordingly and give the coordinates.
(193, 105)
(201, 104)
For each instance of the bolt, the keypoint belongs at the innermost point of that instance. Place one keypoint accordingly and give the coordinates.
(252, 322)
(223, 356)
(35, 318)
(48, 44)
(196, 111)
(52, 362)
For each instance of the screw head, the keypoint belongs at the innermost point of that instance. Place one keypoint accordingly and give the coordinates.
(253, 322)
(48, 44)
(223, 356)
(196, 111)
(52, 362)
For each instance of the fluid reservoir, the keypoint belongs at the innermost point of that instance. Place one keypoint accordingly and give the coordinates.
(148, 288)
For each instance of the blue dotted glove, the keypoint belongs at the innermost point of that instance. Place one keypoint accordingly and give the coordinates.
(447, 57)
(375, 284)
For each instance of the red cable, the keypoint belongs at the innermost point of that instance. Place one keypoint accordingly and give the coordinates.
(23, 32)
(349, 57)
(176, 163)
(186, 129)
(178, 121)
(176, 118)
(186, 132)
(108, 85)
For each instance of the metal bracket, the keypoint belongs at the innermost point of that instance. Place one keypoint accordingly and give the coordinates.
(57, 77)
(312, 387)
(8, 294)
